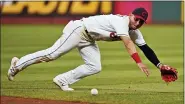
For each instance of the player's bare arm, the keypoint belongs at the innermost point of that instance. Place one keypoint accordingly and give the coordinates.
(128, 44)
(130, 47)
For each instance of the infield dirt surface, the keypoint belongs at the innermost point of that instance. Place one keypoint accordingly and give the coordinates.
(19, 100)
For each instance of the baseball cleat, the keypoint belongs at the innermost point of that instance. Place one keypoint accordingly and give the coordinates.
(12, 72)
(62, 85)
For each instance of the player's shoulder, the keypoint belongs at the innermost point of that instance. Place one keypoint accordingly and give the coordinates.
(135, 32)
(118, 17)
(111, 16)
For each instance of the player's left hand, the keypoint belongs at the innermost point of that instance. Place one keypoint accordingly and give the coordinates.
(143, 68)
(168, 73)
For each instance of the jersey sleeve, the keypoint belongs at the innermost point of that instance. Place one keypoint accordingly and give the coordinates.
(120, 24)
(137, 37)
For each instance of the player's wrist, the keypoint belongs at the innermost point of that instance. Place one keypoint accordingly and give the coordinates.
(159, 65)
(136, 58)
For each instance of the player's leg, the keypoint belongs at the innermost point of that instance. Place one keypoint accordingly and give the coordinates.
(91, 56)
(69, 40)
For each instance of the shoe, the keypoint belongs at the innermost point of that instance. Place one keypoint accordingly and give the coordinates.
(12, 72)
(62, 85)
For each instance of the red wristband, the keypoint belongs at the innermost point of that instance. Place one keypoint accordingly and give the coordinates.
(136, 57)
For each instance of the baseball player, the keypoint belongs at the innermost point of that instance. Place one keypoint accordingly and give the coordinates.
(83, 34)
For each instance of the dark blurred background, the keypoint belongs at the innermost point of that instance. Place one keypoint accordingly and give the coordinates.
(60, 12)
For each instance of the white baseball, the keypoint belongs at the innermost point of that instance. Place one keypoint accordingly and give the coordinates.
(94, 91)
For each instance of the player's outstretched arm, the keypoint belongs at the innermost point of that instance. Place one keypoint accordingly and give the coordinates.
(168, 73)
(130, 47)
(149, 53)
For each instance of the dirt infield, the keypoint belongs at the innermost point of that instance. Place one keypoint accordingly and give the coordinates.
(19, 100)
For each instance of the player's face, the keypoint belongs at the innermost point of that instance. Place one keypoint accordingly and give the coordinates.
(135, 23)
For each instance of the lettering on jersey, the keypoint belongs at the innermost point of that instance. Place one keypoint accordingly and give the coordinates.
(114, 37)
(68, 8)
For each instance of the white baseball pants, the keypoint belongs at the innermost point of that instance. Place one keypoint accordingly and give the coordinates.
(72, 37)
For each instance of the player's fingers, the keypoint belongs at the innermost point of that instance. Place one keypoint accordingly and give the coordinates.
(146, 71)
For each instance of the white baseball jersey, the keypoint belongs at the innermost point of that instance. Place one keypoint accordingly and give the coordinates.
(101, 27)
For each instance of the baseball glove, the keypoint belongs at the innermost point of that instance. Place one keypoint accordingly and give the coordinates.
(168, 73)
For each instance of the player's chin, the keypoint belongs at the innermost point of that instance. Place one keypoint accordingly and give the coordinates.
(136, 27)
(133, 28)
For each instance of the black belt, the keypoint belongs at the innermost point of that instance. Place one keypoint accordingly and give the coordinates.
(86, 31)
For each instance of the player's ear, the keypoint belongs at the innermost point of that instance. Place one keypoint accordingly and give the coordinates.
(131, 14)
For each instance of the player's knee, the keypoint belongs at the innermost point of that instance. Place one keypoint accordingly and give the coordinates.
(96, 68)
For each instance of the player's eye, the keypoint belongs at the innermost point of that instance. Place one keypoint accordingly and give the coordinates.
(136, 19)
(141, 22)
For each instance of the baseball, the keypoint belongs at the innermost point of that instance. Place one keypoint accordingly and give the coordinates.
(94, 91)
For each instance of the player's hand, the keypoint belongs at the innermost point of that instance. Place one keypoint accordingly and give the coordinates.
(168, 73)
(143, 68)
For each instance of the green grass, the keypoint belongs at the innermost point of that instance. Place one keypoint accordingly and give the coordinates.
(120, 81)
